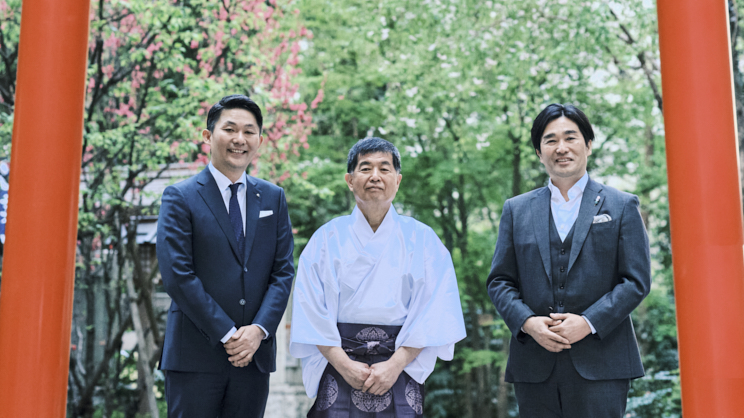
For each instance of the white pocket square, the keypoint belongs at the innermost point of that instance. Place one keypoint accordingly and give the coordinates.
(265, 213)
(601, 218)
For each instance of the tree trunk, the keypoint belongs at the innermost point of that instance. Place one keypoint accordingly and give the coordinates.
(516, 162)
(502, 406)
(469, 395)
(649, 162)
(143, 348)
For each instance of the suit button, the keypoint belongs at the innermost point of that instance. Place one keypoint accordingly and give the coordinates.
(245, 269)
(563, 269)
(563, 251)
(560, 304)
(242, 301)
(561, 286)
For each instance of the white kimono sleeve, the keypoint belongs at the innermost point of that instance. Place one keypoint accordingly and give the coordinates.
(435, 321)
(314, 311)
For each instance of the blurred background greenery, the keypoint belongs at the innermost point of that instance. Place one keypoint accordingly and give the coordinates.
(454, 84)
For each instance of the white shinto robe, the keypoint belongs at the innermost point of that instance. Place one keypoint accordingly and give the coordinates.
(399, 275)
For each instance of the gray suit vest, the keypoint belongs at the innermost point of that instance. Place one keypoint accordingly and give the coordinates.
(559, 253)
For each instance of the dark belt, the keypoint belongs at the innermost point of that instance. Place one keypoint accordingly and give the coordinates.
(367, 340)
(365, 348)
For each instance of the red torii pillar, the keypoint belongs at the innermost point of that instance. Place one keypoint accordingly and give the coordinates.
(39, 262)
(705, 204)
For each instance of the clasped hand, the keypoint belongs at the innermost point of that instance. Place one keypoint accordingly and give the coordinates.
(558, 331)
(375, 379)
(243, 345)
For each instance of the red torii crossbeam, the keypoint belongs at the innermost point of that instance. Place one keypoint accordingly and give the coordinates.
(39, 259)
(705, 204)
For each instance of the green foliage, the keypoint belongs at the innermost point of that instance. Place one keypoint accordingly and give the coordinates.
(455, 85)
(154, 68)
(479, 358)
(656, 395)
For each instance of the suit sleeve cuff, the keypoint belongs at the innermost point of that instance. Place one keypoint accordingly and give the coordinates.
(266, 333)
(229, 334)
(594, 331)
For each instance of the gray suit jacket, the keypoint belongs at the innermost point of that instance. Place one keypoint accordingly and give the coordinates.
(609, 274)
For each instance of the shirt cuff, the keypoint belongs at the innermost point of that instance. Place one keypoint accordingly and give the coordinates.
(594, 331)
(266, 333)
(229, 334)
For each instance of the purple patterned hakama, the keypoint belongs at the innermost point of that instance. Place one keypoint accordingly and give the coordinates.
(369, 344)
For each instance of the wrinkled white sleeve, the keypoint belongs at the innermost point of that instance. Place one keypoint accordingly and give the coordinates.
(435, 320)
(314, 312)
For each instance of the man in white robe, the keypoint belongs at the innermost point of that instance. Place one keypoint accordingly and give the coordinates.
(375, 300)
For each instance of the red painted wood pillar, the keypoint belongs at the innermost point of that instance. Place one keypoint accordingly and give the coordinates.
(705, 204)
(39, 258)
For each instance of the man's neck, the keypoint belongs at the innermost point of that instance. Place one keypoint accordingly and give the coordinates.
(374, 213)
(233, 176)
(565, 184)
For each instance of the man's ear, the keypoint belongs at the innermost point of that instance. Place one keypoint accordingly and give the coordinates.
(347, 177)
(207, 137)
(537, 151)
(589, 147)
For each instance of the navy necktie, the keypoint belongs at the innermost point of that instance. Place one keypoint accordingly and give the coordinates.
(235, 218)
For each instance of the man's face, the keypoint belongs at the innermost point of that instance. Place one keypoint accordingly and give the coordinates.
(234, 142)
(563, 151)
(374, 180)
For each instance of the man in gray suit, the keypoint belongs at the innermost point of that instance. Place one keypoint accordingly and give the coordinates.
(571, 263)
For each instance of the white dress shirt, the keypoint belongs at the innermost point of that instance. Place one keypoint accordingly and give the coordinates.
(223, 183)
(566, 212)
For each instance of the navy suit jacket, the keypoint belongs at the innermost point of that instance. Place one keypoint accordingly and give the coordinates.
(212, 286)
(609, 274)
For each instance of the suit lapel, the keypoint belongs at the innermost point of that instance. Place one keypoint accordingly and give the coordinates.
(541, 222)
(211, 194)
(252, 211)
(587, 212)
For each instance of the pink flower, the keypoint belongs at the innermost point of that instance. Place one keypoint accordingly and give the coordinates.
(318, 99)
(202, 159)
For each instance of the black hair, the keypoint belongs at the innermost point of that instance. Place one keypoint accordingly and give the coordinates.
(555, 111)
(371, 145)
(234, 101)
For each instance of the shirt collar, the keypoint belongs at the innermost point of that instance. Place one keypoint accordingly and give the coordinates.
(575, 190)
(222, 181)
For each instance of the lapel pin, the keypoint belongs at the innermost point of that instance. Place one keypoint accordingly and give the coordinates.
(259, 195)
(596, 201)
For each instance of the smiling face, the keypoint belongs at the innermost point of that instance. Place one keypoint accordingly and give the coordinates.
(374, 180)
(564, 152)
(234, 142)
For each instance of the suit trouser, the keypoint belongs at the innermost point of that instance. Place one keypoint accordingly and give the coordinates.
(236, 392)
(568, 395)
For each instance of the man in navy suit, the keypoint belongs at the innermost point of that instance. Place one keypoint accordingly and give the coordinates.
(571, 263)
(225, 254)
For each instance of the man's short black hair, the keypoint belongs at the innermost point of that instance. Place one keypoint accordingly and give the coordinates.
(234, 101)
(555, 111)
(371, 145)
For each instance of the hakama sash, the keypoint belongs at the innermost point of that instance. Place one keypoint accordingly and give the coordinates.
(368, 344)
